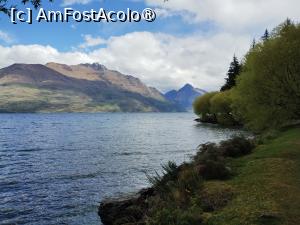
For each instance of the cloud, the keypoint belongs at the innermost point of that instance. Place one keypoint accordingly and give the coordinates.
(233, 15)
(90, 41)
(72, 2)
(159, 60)
(7, 38)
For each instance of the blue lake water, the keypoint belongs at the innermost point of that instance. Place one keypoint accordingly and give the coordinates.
(56, 168)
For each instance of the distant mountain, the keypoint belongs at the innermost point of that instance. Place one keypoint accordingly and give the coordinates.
(185, 96)
(79, 88)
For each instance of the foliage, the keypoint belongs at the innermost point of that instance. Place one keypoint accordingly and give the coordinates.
(202, 103)
(210, 162)
(236, 147)
(163, 183)
(221, 107)
(202, 106)
(268, 91)
(254, 195)
(266, 35)
(233, 72)
(185, 192)
(215, 107)
(5, 5)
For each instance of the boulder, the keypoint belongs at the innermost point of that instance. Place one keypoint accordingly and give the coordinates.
(125, 210)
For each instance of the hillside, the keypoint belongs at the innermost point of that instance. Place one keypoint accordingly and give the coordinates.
(185, 96)
(80, 88)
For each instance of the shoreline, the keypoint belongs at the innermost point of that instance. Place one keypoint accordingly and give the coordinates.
(220, 193)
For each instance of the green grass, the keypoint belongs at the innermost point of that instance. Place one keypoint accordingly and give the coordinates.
(266, 185)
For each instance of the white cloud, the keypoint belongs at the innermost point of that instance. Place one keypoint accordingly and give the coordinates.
(7, 38)
(159, 60)
(90, 41)
(72, 2)
(233, 15)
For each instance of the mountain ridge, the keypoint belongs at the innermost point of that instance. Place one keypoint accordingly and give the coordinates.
(185, 96)
(58, 87)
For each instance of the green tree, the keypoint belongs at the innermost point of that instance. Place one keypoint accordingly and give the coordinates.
(220, 105)
(233, 72)
(202, 107)
(267, 94)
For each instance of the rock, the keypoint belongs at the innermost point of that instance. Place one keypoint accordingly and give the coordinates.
(125, 210)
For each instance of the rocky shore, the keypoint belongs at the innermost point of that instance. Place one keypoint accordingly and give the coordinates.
(130, 209)
(182, 193)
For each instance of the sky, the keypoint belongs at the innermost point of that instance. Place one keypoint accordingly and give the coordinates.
(191, 41)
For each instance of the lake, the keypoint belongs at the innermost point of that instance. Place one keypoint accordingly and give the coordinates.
(56, 168)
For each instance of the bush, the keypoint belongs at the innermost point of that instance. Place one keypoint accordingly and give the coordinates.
(213, 170)
(208, 151)
(210, 163)
(163, 183)
(236, 147)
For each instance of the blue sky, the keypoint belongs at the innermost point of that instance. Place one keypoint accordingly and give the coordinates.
(191, 41)
(65, 36)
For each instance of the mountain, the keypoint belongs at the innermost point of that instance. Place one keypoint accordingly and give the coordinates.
(185, 96)
(78, 88)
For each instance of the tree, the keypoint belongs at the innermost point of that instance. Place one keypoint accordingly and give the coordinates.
(266, 35)
(5, 5)
(202, 107)
(220, 105)
(267, 95)
(233, 72)
(253, 45)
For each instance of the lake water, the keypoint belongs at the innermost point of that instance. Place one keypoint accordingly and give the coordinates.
(56, 168)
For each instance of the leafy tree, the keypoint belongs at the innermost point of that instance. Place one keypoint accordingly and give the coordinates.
(6, 5)
(233, 72)
(267, 94)
(220, 105)
(202, 106)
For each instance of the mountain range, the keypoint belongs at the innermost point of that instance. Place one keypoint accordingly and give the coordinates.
(58, 87)
(185, 96)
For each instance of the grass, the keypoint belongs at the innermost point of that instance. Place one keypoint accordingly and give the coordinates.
(263, 186)
(266, 184)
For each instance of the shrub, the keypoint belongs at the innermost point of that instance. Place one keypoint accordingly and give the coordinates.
(210, 163)
(208, 151)
(213, 170)
(236, 147)
(189, 181)
(163, 182)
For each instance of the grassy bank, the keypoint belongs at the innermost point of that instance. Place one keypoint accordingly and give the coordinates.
(233, 183)
(267, 185)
